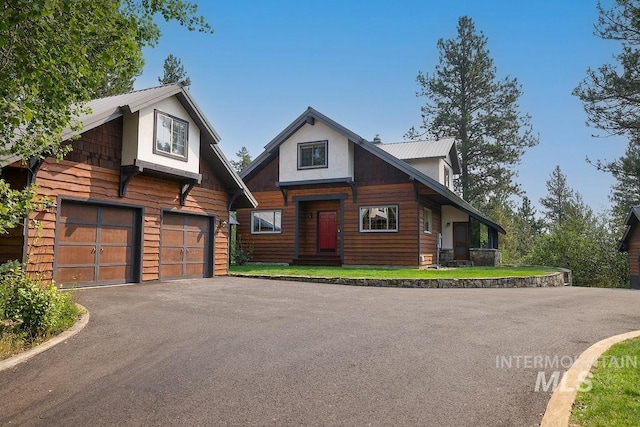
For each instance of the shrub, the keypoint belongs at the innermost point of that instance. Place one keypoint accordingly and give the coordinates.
(241, 253)
(30, 309)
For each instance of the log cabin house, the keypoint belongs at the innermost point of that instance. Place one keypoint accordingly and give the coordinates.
(144, 195)
(328, 196)
(630, 243)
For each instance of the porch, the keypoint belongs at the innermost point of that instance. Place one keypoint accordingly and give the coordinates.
(319, 221)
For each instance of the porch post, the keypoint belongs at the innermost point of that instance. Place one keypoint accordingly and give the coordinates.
(296, 230)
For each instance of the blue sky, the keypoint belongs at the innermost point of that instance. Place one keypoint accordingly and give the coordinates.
(356, 61)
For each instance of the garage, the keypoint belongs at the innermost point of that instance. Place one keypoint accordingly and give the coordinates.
(96, 244)
(186, 246)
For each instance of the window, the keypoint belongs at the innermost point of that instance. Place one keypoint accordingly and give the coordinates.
(312, 155)
(447, 177)
(379, 219)
(427, 217)
(266, 222)
(171, 136)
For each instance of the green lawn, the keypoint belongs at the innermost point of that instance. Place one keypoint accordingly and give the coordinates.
(614, 399)
(391, 273)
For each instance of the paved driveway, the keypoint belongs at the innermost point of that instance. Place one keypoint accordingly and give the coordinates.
(233, 351)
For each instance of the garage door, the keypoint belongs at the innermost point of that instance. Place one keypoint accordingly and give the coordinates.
(95, 244)
(185, 246)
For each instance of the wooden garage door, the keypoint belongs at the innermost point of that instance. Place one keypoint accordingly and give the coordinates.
(185, 246)
(95, 244)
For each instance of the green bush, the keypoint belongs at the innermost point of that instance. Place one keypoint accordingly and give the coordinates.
(241, 253)
(30, 309)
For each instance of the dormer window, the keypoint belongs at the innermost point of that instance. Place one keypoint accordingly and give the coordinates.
(171, 136)
(447, 177)
(312, 155)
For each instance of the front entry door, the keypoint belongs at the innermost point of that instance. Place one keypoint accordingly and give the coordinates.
(327, 231)
(461, 240)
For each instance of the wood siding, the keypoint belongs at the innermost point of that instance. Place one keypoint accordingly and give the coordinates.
(388, 248)
(372, 170)
(269, 247)
(429, 241)
(265, 178)
(392, 248)
(11, 243)
(634, 251)
(84, 182)
(91, 173)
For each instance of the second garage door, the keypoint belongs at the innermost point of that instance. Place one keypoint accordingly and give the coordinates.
(185, 246)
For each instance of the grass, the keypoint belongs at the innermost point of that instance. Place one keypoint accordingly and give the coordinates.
(614, 399)
(391, 273)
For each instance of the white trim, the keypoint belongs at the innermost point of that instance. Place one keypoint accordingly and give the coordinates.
(388, 230)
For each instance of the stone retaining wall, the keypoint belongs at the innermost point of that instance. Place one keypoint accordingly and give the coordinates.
(551, 280)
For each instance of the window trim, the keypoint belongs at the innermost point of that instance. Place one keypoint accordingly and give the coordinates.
(184, 158)
(447, 177)
(301, 145)
(424, 223)
(266, 210)
(396, 230)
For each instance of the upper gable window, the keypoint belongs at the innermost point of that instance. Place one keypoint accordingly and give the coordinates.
(171, 136)
(447, 177)
(312, 155)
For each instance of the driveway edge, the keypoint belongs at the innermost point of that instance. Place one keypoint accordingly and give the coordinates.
(24, 356)
(559, 407)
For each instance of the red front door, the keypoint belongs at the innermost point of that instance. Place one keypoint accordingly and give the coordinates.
(327, 231)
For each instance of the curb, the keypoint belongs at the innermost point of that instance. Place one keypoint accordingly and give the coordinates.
(23, 357)
(559, 407)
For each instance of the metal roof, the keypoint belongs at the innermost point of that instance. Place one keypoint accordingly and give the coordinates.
(311, 115)
(407, 150)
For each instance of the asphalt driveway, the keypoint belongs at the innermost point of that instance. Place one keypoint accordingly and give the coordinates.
(236, 351)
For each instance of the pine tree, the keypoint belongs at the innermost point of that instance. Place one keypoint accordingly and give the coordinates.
(468, 101)
(625, 193)
(174, 72)
(558, 203)
(244, 158)
(611, 99)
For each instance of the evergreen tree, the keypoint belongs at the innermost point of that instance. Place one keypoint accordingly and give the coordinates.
(625, 193)
(558, 203)
(611, 99)
(55, 56)
(527, 228)
(174, 72)
(611, 93)
(244, 158)
(468, 101)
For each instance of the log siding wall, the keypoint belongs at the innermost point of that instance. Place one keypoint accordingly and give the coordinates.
(633, 254)
(378, 184)
(93, 175)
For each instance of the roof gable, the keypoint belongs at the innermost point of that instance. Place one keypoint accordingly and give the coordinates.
(311, 115)
(103, 110)
(633, 218)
